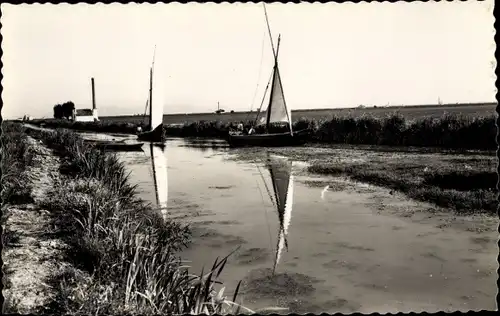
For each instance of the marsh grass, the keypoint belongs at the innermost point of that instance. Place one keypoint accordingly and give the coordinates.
(448, 131)
(466, 191)
(126, 248)
(452, 131)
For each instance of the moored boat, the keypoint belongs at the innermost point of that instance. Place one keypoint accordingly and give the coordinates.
(156, 132)
(269, 140)
(277, 112)
(116, 146)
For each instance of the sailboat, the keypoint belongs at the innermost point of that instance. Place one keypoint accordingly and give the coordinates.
(280, 170)
(159, 164)
(277, 112)
(155, 132)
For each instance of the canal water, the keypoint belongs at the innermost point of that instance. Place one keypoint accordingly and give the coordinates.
(314, 244)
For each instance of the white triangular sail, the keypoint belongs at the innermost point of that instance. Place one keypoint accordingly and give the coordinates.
(277, 106)
(275, 101)
(157, 95)
(157, 110)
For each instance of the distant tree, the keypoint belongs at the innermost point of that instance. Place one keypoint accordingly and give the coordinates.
(219, 111)
(67, 109)
(58, 111)
(232, 111)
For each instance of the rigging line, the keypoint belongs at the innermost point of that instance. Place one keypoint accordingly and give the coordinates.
(152, 69)
(263, 97)
(146, 107)
(154, 55)
(269, 29)
(260, 71)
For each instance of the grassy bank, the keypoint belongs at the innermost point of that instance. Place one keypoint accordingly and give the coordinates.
(448, 131)
(122, 252)
(16, 189)
(16, 156)
(467, 185)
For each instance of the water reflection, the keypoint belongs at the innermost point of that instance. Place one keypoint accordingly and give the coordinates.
(158, 160)
(280, 170)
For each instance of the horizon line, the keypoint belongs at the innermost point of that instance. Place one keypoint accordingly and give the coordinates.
(458, 104)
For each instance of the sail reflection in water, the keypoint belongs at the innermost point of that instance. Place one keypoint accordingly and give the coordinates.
(159, 168)
(280, 170)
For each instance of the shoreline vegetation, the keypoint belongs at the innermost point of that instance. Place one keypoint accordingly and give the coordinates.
(111, 253)
(450, 131)
(466, 186)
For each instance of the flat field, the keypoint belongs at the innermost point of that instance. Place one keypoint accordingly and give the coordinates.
(409, 112)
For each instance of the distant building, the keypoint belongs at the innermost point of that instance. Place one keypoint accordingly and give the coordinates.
(85, 115)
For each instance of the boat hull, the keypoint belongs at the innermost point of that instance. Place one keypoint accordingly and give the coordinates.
(269, 140)
(156, 135)
(116, 146)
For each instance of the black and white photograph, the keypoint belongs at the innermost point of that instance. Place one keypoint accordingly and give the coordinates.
(249, 158)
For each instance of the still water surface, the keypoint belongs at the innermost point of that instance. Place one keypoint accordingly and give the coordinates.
(345, 247)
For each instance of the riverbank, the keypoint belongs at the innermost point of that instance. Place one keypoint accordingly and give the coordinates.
(449, 131)
(79, 241)
(31, 254)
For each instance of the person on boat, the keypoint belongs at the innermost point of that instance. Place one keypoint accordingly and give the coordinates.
(240, 127)
(139, 129)
(251, 131)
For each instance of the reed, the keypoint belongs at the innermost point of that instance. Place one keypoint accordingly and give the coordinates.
(448, 131)
(126, 247)
(451, 131)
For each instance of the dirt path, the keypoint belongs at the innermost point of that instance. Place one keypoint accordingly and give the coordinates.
(34, 255)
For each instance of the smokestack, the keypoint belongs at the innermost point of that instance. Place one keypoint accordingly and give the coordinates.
(93, 94)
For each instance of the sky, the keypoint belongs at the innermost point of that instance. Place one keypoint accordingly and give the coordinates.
(331, 55)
